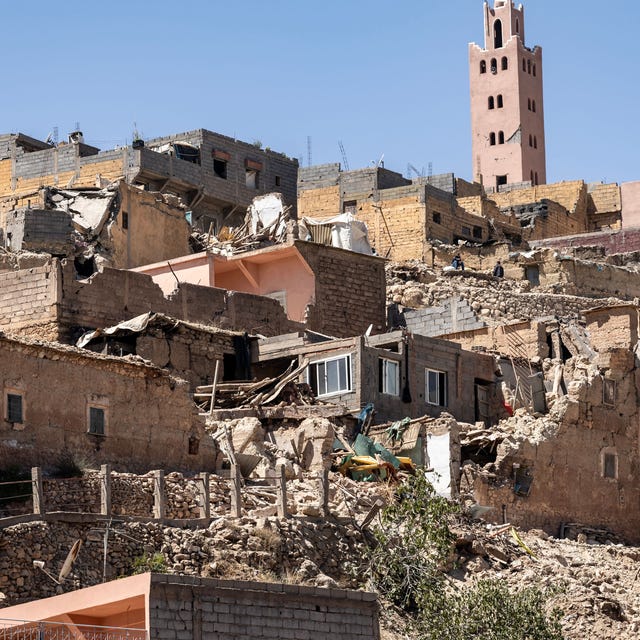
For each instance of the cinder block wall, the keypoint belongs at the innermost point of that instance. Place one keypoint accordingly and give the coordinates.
(182, 608)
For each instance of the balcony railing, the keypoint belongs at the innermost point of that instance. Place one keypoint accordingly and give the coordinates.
(28, 630)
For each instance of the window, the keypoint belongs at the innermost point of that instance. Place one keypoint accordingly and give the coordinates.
(500, 180)
(532, 177)
(477, 232)
(465, 231)
(437, 218)
(609, 464)
(483, 66)
(608, 392)
(252, 179)
(534, 70)
(536, 177)
(492, 138)
(535, 142)
(350, 206)
(14, 408)
(504, 63)
(530, 140)
(524, 64)
(491, 102)
(500, 105)
(494, 66)
(278, 181)
(389, 378)
(517, 26)
(497, 34)
(125, 220)
(220, 168)
(330, 376)
(500, 137)
(533, 106)
(435, 387)
(96, 421)
(528, 66)
(528, 104)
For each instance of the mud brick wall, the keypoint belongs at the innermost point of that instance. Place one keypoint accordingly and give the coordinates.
(350, 291)
(180, 608)
(28, 300)
(624, 241)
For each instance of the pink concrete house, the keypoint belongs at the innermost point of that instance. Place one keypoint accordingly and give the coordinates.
(507, 115)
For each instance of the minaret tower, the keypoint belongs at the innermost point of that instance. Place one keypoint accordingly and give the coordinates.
(507, 114)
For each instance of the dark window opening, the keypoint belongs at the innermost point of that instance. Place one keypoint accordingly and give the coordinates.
(528, 66)
(504, 63)
(220, 168)
(14, 408)
(278, 181)
(494, 66)
(500, 137)
(530, 140)
(532, 177)
(349, 206)
(491, 102)
(125, 220)
(85, 267)
(497, 34)
(96, 421)
(194, 445)
(534, 70)
(609, 392)
(483, 66)
(501, 180)
(437, 218)
(517, 26)
(477, 232)
(609, 465)
(524, 64)
(492, 138)
(532, 274)
(528, 104)
(499, 100)
(535, 142)
(536, 175)
(533, 106)
(187, 152)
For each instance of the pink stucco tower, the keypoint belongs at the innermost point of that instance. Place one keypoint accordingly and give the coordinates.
(507, 114)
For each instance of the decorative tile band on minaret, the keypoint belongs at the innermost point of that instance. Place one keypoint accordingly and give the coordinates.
(507, 114)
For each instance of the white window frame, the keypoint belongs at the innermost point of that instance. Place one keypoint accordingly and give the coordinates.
(348, 386)
(385, 376)
(427, 395)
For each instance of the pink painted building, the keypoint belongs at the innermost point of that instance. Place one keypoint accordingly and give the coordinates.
(507, 114)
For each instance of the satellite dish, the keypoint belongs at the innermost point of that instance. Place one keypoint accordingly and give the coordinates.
(71, 558)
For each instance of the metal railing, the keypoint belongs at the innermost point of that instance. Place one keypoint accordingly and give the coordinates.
(29, 630)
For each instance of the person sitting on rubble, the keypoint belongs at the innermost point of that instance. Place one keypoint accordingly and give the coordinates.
(498, 270)
(457, 263)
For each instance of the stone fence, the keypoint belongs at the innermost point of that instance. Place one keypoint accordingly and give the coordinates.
(156, 495)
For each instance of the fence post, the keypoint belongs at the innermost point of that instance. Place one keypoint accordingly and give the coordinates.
(37, 491)
(281, 492)
(323, 487)
(105, 489)
(236, 495)
(159, 505)
(205, 508)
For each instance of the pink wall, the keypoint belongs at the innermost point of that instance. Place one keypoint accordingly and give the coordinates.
(630, 193)
(195, 269)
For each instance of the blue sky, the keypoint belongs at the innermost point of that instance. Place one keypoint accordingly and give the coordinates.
(382, 77)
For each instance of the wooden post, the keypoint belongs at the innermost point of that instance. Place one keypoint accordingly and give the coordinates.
(323, 488)
(37, 490)
(159, 507)
(213, 387)
(281, 492)
(236, 492)
(205, 508)
(373, 512)
(105, 489)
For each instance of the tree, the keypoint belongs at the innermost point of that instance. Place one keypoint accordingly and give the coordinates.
(413, 543)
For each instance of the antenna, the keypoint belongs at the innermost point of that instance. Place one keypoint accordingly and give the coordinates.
(308, 151)
(410, 168)
(380, 162)
(345, 162)
(430, 169)
(55, 136)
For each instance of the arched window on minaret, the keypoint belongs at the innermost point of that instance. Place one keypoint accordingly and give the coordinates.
(491, 104)
(533, 106)
(524, 64)
(497, 34)
(537, 178)
(500, 137)
(528, 66)
(534, 70)
(530, 140)
(505, 63)
(483, 66)
(535, 142)
(494, 66)
(532, 178)
(528, 104)
(492, 138)
(517, 26)
(499, 101)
